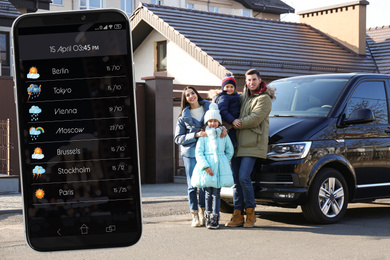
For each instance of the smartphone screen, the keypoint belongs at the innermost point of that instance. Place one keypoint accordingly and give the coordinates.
(77, 131)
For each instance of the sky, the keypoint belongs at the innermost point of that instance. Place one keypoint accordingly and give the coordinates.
(377, 11)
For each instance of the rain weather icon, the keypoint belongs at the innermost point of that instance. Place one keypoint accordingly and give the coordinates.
(33, 73)
(38, 171)
(37, 154)
(35, 132)
(33, 91)
(39, 193)
(34, 111)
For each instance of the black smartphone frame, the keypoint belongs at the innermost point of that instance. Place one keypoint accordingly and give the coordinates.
(57, 20)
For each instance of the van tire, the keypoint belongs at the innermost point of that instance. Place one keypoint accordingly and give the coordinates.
(328, 191)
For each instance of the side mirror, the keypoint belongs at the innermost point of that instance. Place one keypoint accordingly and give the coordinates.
(360, 116)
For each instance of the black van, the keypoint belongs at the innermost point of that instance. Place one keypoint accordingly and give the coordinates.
(329, 145)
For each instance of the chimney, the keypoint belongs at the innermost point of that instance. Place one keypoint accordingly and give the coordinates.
(345, 23)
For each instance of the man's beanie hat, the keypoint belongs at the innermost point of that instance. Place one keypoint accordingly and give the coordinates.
(228, 79)
(213, 113)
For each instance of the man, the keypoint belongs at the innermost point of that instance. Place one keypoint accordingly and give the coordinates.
(252, 141)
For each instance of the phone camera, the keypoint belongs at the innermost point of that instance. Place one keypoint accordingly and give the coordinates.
(83, 17)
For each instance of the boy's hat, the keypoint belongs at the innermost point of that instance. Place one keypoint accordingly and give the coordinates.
(213, 113)
(228, 79)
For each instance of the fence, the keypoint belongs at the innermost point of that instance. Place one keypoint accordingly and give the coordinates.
(5, 147)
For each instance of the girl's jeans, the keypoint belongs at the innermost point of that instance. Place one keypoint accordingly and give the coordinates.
(189, 164)
(243, 189)
(213, 199)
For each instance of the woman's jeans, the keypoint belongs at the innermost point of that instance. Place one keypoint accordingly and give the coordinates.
(189, 164)
(213, 199)
(243, 189)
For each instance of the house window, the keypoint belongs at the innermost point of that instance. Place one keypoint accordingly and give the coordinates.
(4, 48)
(213, 9)
(127, 6)
(91, 4)
(161, 56)
(57, 2)
(190, 6)
(156, 2)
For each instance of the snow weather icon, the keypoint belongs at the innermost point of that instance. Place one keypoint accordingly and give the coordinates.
(34, 111)
(35, 132)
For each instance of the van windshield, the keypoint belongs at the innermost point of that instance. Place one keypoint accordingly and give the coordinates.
(306, 97)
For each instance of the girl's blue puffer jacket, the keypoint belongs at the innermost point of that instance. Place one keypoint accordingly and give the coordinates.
(214, 152)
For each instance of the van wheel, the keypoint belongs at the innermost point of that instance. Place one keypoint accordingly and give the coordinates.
(327, 199)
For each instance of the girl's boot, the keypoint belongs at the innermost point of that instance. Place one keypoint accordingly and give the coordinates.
(207, 215)
(214, 219)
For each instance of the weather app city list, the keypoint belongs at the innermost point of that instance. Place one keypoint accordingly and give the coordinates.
(78, 131)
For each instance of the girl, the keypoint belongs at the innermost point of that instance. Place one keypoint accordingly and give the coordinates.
(212, 170)
(188, 130)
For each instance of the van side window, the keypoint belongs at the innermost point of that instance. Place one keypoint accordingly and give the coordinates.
(370, 95)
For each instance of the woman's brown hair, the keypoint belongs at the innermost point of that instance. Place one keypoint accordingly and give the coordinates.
(184, 102)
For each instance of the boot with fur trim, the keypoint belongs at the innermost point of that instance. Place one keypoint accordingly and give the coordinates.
(195, 219)
(201, 216)
(214, 221)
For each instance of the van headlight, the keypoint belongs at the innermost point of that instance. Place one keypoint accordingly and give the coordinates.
(289, 151)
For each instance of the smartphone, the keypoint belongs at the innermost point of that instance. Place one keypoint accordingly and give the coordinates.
(77, 128)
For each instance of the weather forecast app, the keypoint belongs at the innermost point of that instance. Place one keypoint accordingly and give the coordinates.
(78, 130)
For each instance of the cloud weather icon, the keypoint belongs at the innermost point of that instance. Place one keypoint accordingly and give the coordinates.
(37, 154)
(34, 111)
(35, 132)
(33, 91)
(33, 73)
(38, 171)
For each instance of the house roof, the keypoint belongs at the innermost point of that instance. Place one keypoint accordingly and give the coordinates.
(8, 13)
(225, 43)
(378, 40)
(267, 6)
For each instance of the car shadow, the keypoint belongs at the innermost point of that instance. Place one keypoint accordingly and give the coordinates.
(366, 219)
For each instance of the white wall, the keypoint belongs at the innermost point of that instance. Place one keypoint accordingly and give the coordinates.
(180, 65)
(144, 56)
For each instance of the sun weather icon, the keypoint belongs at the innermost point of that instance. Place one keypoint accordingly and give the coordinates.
(33, 73)
(35, 132)
(40, 193)
(38, 155)
(33, 91)
(34, 112)
(38, 171)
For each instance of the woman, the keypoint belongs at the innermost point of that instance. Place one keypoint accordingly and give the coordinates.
(188, 129)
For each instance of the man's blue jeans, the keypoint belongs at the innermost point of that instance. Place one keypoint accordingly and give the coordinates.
(189, 164)
(243, 189)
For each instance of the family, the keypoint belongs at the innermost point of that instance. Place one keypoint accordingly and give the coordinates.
(220, 143)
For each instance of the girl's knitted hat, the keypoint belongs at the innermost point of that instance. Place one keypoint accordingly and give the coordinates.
(213, 113)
